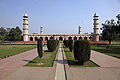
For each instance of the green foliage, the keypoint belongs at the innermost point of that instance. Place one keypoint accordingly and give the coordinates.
(47, 62)
(71, 45)
(82, 51)
(15, 34)
(3, 34)
(66, 43)
(39, 47)
(51, 45)
(10, 34)
(111, 30)
(9, 50)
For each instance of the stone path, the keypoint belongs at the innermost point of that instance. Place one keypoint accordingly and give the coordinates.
(60, 72)
(109, 69)
(93, 73)
(104, 60)
(14, 63)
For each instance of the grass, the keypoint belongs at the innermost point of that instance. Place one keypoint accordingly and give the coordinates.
(74, 63)
(9, 50)
(47, 59)
(111, 50)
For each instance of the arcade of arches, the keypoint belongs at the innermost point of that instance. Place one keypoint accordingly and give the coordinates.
(61, 37)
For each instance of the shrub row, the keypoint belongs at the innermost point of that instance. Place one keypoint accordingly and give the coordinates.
(81, 49)
(52, 44)
(68, 44)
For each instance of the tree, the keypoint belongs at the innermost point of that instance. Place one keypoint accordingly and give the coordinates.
(39, 48)
(71, 45)
(82, 51)
(109, 31)
(51, 45)
(15, 34)
(3, 34)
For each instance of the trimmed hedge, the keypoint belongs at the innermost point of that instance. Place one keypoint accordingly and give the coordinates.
(66, 43)
(82, 51)
(71, 45)
(39, 47)
(51, 45)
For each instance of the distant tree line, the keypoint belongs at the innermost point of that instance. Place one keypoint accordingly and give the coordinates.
(10, 34)
(111, 30)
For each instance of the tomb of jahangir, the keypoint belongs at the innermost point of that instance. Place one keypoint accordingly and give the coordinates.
(33, 37)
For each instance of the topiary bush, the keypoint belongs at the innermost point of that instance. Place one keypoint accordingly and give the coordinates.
(51, 45)
(39, 47)
(82, 51)
(71, 45)
(66, 43)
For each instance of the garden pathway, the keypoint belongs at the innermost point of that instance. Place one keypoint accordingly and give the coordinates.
(60, 69)
(104, 60)
(16, 62)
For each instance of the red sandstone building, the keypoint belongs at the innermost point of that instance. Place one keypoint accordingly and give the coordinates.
(60, 37)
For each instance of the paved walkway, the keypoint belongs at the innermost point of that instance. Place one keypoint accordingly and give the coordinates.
(60, 72)
(104, 60)
(14, 63)
(109, 69)
(93, 73)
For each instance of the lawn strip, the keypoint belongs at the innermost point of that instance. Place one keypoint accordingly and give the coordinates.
(47, 59)
(9, 50)
(111, 50)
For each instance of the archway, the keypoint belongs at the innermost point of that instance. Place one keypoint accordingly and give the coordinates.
(36, 38)
(75, 38)
(80, 38)
(60, 38)
(90, 38)
(46, 38)
(70, 38)
(85, 38)
(31, 38)
(51, 37)
(41, 38)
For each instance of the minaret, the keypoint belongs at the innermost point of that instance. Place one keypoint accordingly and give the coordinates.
(25, 27)
(41, 30)
(79, 31)
(96, 27)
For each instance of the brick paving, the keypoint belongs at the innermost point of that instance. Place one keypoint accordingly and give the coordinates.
(14, 63)
(109, 69)
(94, 73)
(104, 60)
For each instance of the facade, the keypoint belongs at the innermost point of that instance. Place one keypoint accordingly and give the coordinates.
(33, 37)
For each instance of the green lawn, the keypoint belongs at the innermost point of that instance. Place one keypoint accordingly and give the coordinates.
(47, 59)
(74, 63)
(9, 50)
(112, 50)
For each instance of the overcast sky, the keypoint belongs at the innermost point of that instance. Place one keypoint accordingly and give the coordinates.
(57, 16)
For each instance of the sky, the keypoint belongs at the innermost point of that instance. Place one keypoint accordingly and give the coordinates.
(57, 16)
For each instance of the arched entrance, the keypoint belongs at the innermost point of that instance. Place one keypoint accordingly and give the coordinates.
(31, 38)
(80, 38)
(60, 38)
(90, 38)
(70, 38)
(46, 38)
(41, 38)
(36, 38)
(75, 38)
(51, 37)
(85, 38)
